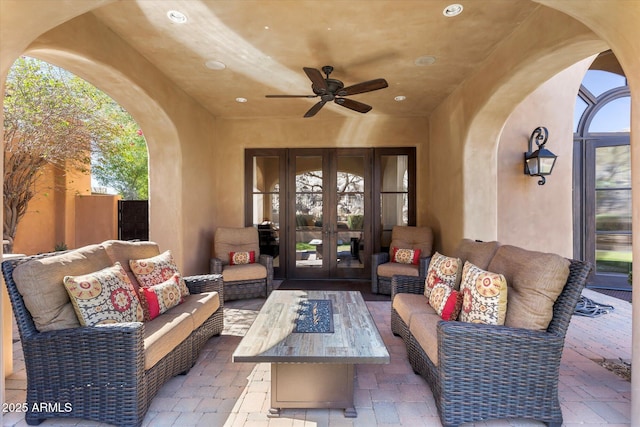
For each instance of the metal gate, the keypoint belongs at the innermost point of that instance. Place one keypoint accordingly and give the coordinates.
(133, 219)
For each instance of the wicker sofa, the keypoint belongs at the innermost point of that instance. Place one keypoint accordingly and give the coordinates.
(481, 371)
(107, 372)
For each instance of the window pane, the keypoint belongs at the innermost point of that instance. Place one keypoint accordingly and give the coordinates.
(613, 210)
(265, 174)
(598, 82)
(394, 210)
(613, 166)
(394, 173)
(615, 116)
(613, 253)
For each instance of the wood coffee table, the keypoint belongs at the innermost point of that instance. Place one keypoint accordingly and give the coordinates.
(312, 369)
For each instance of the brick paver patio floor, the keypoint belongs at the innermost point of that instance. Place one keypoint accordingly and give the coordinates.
(217, 392)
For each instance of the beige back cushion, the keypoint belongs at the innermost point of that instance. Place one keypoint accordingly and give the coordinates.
(534, 280)
(40, 282)
(229, 239)
(477, 253)
(407, 237)
(122, 252)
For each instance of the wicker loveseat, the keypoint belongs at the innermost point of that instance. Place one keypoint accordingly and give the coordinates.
(481, 371)
(107, 372)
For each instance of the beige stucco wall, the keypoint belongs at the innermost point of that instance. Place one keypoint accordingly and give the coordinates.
(465, 129)
(521, 201)
(96, 219)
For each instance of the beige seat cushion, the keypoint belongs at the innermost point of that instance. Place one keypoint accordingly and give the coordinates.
(534, 280)
(230, 239)
(122, 252)
(409, 305)
(407, 237)
(40, 282)
(232, 273)
(388, 269)
(163, 334)
(199, 306)
(423, 328)
(477, 253)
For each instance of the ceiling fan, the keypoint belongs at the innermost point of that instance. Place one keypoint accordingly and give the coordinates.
(333, 90)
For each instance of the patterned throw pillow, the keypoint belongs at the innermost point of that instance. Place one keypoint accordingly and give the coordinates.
(406, 256)
(155, 270)
(445, 301)
(443, 269)
(157, 299)
(106, 296)
(484, 296)
(238, 258)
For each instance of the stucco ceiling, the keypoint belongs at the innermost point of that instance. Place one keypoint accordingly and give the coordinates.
(266, 43)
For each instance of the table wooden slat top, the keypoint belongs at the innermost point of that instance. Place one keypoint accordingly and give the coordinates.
(271, 337)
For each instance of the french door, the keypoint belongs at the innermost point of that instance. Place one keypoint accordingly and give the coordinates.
(321, 213)
(329, 208)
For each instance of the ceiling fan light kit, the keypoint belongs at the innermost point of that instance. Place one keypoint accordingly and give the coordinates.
(329, 89)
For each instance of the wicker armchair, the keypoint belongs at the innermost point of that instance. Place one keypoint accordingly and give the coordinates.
(98, 373)
(247, 280)
(402, 237)
(492, 372)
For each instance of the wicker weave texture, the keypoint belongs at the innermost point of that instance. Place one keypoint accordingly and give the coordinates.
(493, 372)
(241, 289)
(99, 371)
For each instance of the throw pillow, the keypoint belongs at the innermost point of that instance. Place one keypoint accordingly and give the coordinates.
(406, 256)
(155, 270)
(106, 296)
(484, 296)
(445, 301)
(443, 269)
(239, 258)
(157, 299)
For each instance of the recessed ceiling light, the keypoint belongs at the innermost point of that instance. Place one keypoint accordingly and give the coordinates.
(400, 98)
(177, 16)
(215, 65)
(425, 60)
(452, 10)
(241, 100)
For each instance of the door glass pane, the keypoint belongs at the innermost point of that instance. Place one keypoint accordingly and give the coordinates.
(350, 211)
(613, 209)
(309, 204)
(394, 172)
(266, 205)
(613, 253)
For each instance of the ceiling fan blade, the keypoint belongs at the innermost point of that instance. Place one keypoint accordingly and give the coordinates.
(313, 110)
(367, 86)
(316, 78)
(291, 96)
(353, 105)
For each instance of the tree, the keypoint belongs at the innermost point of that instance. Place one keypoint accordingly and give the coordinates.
(51, 117)
(122, 164)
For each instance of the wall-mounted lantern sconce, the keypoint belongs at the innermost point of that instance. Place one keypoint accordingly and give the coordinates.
(540, 162)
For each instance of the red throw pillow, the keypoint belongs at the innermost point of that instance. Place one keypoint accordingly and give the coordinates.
(238, 258)
(406, 256)
(159, 298)
(445, 301)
